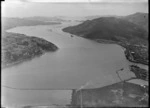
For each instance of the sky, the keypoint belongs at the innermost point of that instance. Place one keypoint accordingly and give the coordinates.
(28, 8)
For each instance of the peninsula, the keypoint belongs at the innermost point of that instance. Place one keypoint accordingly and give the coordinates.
(17, 48)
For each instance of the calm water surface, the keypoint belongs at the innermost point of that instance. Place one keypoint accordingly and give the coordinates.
(78, 62)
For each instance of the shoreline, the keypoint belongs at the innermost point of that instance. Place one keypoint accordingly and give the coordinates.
(103, 41)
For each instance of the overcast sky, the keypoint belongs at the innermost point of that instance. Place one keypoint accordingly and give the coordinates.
(26, 9)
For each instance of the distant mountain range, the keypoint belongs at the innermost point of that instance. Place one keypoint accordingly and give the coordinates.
(47, 19)
(98, 16)
(112, 28)
(8, 23)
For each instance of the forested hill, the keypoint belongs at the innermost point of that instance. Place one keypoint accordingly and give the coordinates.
(109, 28)
(123, 31)
(139, 18)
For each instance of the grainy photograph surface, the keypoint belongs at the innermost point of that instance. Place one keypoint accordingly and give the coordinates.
(92, 53)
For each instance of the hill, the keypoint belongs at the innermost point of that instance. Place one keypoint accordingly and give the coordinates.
(118, 30)
(109, 28)
(139, 18)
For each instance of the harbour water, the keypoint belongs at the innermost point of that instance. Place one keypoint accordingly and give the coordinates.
(52, 76)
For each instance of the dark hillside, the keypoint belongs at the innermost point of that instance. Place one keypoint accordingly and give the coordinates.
(118, 30)
(109, 28)
(139, 18)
